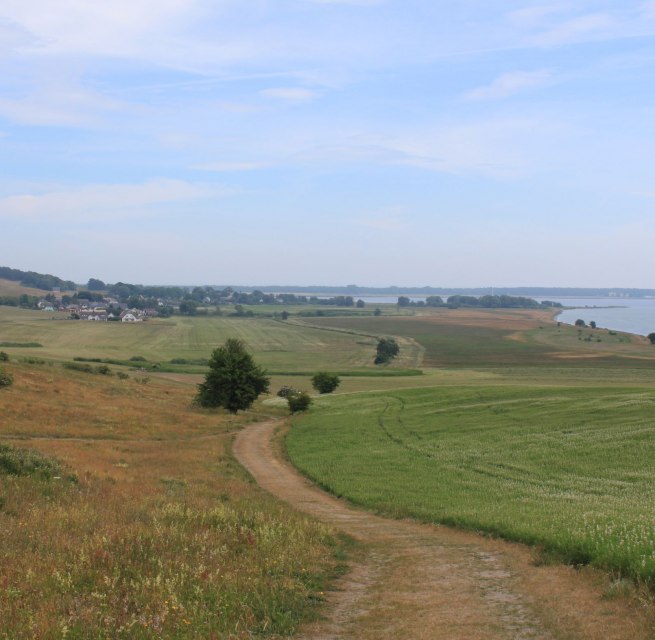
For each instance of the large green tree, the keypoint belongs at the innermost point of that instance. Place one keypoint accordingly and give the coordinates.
(234, 381)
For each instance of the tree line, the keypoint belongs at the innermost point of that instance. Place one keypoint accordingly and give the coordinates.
(36, 280)
(484, 302)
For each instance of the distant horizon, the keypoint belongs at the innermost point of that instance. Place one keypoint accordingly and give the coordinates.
(390, 288)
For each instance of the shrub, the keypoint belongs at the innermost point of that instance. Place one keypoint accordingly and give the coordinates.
(287, 391)
(580, 323)
(78, 366)
(4, 356)
(651, 337)
(325, 382)
(122, 375)
(103, 369)
(24, 462)
(6, 379)
(21, 344)
(138, 359)
(299, 402)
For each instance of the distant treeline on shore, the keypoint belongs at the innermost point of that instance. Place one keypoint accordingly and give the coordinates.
(48, 282)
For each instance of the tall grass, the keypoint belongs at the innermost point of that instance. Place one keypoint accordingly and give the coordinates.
(160, 534)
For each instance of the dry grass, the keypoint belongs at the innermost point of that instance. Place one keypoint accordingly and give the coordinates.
(162, 535)
(12, 288)
(505, 319)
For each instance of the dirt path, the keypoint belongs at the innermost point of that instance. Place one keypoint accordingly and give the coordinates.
(423, 581)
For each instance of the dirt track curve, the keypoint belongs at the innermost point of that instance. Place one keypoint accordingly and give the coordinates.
(424, 581)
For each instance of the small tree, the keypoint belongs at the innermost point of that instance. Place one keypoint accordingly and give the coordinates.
(377, 312)
(284, 315)
(325, 382)
(592, 324)
(387, 350)
(234, 380)
(651, 337)
(299, 402)
(580, 323)
(4, 356)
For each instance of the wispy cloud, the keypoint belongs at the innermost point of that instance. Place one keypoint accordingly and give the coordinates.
(593, 25)
(229, 166)
(511, 83)
(290, 94)
(534, 16)
(104, 201)
(65, 106)
(13, 36)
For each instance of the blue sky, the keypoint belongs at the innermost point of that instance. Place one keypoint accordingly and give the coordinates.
(376, 142)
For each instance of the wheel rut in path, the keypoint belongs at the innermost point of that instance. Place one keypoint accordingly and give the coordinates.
(424, 581)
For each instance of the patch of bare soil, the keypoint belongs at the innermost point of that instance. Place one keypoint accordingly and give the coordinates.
(424, 581)
(508, 319)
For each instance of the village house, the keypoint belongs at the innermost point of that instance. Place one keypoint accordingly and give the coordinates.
(132, 315)
(99, 315)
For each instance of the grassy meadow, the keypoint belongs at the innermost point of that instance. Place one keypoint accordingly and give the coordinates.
(148, 528)
(477, 338)
(278, 346)
(137, 522)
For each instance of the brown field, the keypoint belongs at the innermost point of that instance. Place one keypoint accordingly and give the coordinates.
(161, 535)
(505, 319)
(12, 288)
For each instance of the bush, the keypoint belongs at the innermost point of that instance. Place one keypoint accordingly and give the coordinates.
(21, 344)
(24, 462)
(103, 369)
(651, 337)
(6, 379)
(580, 323)
(4, 356)
(78, 366)
(325, 382)
(122, 375)
(287, 391)
(138, 359)
(299, 402)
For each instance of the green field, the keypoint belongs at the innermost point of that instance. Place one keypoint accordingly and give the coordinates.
(475, 338)
(278, 346)
(569, 469)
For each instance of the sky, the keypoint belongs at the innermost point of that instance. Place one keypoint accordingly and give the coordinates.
(444, 143)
